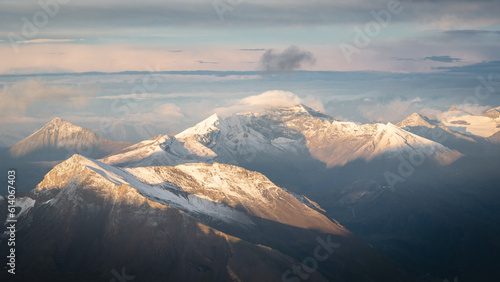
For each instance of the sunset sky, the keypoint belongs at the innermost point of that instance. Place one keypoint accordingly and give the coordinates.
(419, 55)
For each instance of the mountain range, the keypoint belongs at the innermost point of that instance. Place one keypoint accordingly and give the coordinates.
(261, 190)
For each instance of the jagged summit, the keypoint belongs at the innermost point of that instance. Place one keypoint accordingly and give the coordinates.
(493, 113)
(457, 110)
(415, 119)
(58, 120)
(206, 125)
(296, 111)
(294, 133)
(61, 126)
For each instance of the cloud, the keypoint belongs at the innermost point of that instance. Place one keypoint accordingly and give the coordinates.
(253, 50)
(266, 100)
(117, 57)
(167, 114)
(405, 59)
(17, 97)
(203, 62)
(291, 59)
(430, 113)
(483, 67)
(152, 13)
(393, 111)
(470, 32)
(168, 109)
(416, 100)
(275, 98)
(47, 40)
(443, 59)
(473, 108)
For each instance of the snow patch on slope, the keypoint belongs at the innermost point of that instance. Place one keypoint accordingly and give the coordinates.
(78, 167)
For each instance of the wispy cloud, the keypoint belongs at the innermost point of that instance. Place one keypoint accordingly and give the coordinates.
(392, 111)
(443, 59)
(405, 59)
(17, 97)
(161, 96)
(471, 32)
(48, 40)
(479, 68)
(253, 50)
(267, 100)
(203, 62)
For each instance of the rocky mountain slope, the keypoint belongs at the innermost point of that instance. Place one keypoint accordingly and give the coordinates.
(193, 222)
(297, 131)
(283, 140)
(59, 139)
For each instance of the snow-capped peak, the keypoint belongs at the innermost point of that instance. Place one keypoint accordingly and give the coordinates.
(59, 135)
(415, 119)
(222, 192)
(207, 125)
(60, 126)
(57, 120)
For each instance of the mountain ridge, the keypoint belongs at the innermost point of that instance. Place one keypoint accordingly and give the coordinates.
(59, 138)
(296, 130)
(81, 193)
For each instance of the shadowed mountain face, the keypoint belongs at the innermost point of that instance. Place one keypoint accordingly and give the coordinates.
(194, 222)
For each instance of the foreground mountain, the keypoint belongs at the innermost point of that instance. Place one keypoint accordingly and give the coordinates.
(193, 222)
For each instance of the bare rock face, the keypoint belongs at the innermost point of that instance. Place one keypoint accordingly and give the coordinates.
(493, 113)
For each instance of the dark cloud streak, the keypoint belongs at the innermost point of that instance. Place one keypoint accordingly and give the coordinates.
(253, 50)
(442, 59)
(479, 68)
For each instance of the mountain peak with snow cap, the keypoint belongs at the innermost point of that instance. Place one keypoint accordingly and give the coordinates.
(415, 119)
(58, 139)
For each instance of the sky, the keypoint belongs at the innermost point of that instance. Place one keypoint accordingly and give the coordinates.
(171, 63)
